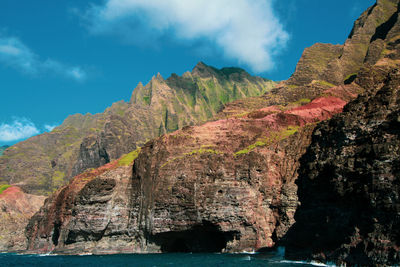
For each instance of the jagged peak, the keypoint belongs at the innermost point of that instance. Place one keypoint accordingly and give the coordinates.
(144, 91)
(138, 90)
(202, 70)
(200, 64)
(379, 12)
(157, 77)
(232, 70)
(187, 74)
(139, 86)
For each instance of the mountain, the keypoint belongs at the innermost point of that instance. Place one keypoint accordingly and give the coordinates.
(89, 141)
(2, 148)
(367, 43)
(349, 182)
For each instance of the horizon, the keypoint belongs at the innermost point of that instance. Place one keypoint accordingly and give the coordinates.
(81, 56)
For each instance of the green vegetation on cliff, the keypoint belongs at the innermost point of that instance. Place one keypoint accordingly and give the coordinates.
(4, 187)
(273, 137)
(128, 159)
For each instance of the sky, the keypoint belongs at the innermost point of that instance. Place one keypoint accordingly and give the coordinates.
(63, 57)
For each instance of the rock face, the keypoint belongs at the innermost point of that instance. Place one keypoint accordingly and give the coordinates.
(227, 185)
(16, 208)
(349, 183)
(374, 40)
(367, 43)
(89, 141)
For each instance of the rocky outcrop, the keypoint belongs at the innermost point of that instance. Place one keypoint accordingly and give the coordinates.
(367, 43)
(227, 185)
(118, 136)
(374, 40)
(16, 208)
(89, 141)
(314, 61)
(349, 183)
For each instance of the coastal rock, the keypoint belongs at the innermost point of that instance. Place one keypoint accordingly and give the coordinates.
(349, 184)
(227, 185)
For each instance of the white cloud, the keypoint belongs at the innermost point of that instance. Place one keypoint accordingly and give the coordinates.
(77, 73)
(49, 127)
(15, 54)
(19, 129)
(246, 30)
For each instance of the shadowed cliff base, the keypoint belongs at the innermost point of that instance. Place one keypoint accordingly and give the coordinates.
(349, 184)
(204, 237)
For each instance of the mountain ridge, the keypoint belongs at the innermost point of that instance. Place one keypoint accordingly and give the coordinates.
(89, 141)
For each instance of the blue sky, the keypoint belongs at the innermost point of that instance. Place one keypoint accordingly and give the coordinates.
(76, 56)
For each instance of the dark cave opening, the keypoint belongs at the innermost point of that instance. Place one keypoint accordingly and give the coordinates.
(203, 238)
(56, 233)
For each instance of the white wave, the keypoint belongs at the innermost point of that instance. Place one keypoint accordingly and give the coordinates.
(86, 254)
(314, 263)
(249, 252)
(45, 254)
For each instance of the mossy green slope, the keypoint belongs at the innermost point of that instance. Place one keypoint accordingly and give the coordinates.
(198, 95)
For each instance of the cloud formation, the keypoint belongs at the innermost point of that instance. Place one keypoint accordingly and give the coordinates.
(19, 129)
(247, 31)
(15, 54)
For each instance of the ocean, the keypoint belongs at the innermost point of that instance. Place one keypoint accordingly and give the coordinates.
(168, 259)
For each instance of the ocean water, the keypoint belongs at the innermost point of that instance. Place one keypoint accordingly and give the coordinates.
(170, 259)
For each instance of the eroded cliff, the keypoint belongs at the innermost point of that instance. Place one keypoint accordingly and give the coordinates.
(227, 185)
(349, 183)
